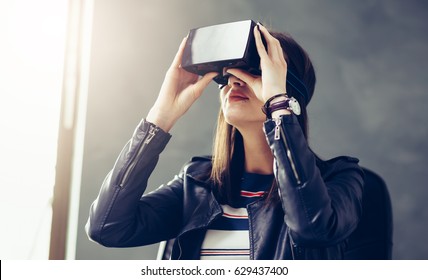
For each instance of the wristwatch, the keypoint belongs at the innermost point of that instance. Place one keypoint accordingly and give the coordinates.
(294, 106)
(289, 103)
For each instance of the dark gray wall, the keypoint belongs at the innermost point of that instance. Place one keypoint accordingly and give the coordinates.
(370, 100)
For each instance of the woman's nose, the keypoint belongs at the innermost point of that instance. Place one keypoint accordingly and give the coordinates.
(234, 81)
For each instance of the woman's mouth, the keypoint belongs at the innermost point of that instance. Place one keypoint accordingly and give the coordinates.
(237, 97)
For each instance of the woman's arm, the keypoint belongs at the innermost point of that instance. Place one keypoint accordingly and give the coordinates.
(317, 210)
(120, 216)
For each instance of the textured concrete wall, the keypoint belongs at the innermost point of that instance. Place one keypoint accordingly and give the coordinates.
(370, 100)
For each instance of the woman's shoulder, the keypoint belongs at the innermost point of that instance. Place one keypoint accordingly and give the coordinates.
(198, 167)
(338, 164)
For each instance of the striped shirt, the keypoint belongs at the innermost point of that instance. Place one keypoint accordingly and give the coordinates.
(228, 236)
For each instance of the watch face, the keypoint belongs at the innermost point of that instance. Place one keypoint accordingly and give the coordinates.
(294, 106)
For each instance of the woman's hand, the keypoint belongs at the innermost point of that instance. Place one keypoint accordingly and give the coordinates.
(179, 91)
(273, 66)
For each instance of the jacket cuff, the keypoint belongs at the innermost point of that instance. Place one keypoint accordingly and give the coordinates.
(285, 119)
(141, 152)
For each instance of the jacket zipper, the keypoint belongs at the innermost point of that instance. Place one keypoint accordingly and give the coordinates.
(183, 233)
(179, 246)
(277, 136)
(149, 137)
(250, 233)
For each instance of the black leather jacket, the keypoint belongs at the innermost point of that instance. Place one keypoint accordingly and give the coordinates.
(319, 205)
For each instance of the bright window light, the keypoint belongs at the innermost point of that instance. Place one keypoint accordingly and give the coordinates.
(32, 46)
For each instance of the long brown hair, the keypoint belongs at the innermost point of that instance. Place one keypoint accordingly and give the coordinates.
(228, 150)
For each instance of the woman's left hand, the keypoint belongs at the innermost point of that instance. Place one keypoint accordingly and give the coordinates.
(272, 64)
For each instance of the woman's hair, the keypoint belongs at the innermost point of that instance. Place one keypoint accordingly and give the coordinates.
(228, 149)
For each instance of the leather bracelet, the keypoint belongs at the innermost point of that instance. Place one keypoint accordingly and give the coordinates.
(283, 104)
(290, 104)
(266, 106)
(267, 103)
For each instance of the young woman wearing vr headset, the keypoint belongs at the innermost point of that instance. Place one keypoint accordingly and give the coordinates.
(262, 195)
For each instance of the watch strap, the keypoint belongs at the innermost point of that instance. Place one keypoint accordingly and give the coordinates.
(289, 103)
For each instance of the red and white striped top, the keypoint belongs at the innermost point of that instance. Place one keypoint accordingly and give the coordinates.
(228, 237)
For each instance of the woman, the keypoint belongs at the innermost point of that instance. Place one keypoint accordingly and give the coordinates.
(263, 195)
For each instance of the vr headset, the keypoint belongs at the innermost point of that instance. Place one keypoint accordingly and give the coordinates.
(229, 45)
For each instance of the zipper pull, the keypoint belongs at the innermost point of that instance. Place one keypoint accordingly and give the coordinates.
(277, 129)
(152, 133)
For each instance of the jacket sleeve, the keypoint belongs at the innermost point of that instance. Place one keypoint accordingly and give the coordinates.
(120, 216)
(317, 210)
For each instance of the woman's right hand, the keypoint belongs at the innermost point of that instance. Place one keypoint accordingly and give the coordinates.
(179, 91)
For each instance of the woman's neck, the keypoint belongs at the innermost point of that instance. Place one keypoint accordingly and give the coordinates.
(258, 156)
